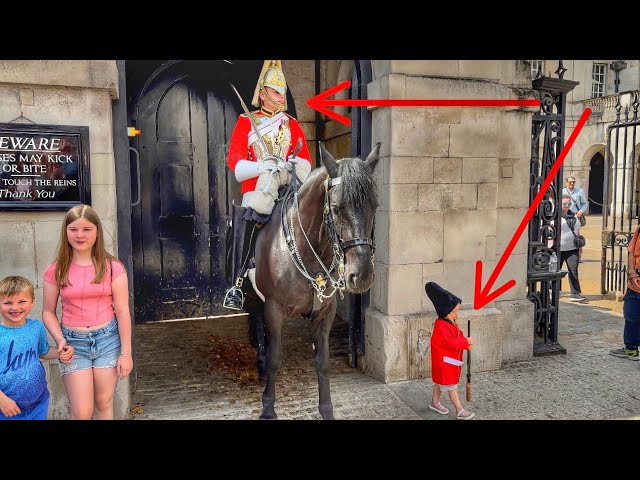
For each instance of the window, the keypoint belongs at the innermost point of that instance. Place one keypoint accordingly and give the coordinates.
(537, 68)
(597, 75)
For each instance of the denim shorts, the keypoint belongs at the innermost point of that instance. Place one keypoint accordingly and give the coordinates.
(92, 349)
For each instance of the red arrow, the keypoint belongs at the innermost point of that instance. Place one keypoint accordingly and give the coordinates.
(320, 103)
(481, 298)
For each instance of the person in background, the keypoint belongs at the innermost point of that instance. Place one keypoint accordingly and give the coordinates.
(569, 253)
(579, 203)
(631, 306)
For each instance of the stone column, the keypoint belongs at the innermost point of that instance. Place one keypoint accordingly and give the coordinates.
(453, 184)
(624, 157)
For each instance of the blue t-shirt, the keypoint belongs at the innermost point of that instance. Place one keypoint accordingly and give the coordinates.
(22, 376)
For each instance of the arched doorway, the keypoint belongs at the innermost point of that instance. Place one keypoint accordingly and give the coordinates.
(182, 189)
(181, 352)
(596, 183)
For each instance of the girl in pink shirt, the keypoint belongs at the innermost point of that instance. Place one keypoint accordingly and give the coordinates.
(95, 319)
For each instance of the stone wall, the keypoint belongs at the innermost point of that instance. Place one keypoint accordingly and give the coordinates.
(453, 189)
(300, 76)
(60, 93)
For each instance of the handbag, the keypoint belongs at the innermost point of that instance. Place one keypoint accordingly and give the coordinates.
(579, 241)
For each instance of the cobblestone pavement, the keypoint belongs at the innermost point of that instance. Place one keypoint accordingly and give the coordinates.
(176, 380)
(586, 383)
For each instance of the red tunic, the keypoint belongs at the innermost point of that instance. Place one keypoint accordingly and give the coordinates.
(280, 133)
(447, 344)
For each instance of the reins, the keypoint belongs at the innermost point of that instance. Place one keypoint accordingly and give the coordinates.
(319, 282)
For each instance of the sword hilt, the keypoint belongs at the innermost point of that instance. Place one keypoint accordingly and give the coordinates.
(297, 149)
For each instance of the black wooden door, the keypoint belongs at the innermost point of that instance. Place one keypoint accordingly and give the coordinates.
(596, 183)
(179, 226)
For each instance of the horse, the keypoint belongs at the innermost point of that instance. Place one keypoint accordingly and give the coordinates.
(317, 243)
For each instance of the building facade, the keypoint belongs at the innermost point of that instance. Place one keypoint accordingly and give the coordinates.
(603, 83)
(451, 184)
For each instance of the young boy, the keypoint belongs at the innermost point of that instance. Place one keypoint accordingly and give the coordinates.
(447, 345)
(23, 384)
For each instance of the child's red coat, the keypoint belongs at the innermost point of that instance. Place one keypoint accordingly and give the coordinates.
(447, 345)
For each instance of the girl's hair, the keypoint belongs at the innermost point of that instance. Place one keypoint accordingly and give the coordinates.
(10, 286)
(65, 252)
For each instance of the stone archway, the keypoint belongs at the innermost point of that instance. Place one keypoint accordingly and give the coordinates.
(596, 183)
(590, 177)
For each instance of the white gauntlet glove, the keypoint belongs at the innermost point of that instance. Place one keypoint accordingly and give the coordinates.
(246, 169)
(282, 165)
(267, 165)
(303, 167)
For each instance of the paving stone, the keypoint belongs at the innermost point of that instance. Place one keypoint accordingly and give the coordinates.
(175, 380)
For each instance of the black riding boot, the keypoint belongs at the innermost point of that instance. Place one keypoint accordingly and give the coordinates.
(242, 239)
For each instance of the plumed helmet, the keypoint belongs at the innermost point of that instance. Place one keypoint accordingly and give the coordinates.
(271, 76)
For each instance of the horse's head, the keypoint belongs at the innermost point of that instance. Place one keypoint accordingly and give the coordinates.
(353, 202)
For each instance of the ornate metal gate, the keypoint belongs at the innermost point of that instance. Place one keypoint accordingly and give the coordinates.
(620, 210)
(547, 140)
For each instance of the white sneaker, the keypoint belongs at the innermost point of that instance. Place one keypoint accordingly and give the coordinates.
(577, 298)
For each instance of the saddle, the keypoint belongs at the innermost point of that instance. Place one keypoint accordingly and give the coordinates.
(242, 215)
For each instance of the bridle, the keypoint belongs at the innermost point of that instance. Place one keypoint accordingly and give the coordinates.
(331, 228)
(319, 282)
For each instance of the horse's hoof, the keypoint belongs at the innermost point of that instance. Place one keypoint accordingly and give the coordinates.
(268, 416)
(328, 416)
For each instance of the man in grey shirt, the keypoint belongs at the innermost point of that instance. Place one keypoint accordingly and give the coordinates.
(579, 203)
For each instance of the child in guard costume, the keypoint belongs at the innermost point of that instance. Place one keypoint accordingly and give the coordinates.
(447, 344)
(262, 164)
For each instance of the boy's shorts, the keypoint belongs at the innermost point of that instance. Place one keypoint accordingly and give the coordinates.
(92, 349)
(39, 412)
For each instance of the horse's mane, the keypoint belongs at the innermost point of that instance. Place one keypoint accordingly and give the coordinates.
(359, 188)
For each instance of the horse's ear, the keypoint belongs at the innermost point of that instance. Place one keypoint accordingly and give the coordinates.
(328, 161)
(373, 157)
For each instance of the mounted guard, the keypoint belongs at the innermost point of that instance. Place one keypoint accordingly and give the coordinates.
(264, 145)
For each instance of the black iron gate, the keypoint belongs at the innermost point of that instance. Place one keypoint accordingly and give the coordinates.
(547, 140)
(620, 209)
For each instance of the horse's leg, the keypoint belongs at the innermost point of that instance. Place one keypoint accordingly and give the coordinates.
(255, 307)
(261, 349)
(321, 329)
(273, 323)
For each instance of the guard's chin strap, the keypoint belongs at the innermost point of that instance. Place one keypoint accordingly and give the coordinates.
(280, 105)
